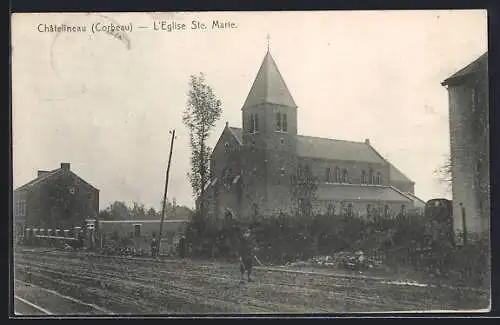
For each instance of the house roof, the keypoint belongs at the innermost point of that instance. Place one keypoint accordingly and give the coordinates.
(269, 86)
(40, 179)
(48, 175)
(480, 65)
(360, 192)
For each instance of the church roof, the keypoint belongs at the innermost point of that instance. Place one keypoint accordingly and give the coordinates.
(396, 175)
(325, 148)
(480, 65)
(269, 86)
(360, 192)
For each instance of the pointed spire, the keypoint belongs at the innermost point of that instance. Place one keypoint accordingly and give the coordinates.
(269, 86)
(268, 39)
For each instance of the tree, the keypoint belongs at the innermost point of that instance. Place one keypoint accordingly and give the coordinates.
(202, 112)
(443, 173)
(304, 186)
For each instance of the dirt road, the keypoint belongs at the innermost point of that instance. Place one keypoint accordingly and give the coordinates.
(184, 286)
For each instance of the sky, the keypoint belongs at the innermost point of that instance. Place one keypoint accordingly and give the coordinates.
(106, 105)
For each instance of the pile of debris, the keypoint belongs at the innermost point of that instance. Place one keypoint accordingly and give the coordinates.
(116, 250)
(341, 260)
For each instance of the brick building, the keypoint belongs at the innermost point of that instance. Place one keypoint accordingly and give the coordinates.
(469, 139)
(252, 167)
(57, 199)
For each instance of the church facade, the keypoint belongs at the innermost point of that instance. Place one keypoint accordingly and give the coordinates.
(251, 168)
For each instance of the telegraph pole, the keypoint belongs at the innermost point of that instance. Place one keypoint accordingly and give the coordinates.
(166, 187)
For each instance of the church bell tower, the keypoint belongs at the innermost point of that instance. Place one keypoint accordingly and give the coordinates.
(269, 117)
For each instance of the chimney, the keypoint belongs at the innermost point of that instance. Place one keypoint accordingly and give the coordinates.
(367, 141)
(42, 172)
(65, 166)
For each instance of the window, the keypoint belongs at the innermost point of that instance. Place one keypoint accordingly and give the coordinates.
(137, 230)
(254, 123)
(349, 209)
(21, 208)
(226, 146)
(328, 175)
(331, 209)
(282, 171)
(403, 210)
(344, 176)
(282, 141)
(379, 178)
(284, 123)
(337, 175)
(281, 122)
(278, 121)
(363, 177)
(386, 210)
(370, 176)
(72, 190)
(226, 177)
(255, 208)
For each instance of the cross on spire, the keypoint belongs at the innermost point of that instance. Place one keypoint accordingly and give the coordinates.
(268, 39)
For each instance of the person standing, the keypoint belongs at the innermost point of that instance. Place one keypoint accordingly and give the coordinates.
(246, 254)
(154, 246)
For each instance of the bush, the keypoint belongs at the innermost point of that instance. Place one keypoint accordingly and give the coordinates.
(403, 241)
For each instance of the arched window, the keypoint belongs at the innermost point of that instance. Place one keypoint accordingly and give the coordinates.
(331, 209)
(328, 175)
(344, 176)
(278, 121)
(256, 118)
(386, 210)
(349, 210)
(379, 178)
(226, 177)
(284, 124)
(337, 175)
(363, 177)
(370, 176)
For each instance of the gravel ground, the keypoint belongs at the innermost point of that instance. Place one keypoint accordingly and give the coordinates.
(146, 286)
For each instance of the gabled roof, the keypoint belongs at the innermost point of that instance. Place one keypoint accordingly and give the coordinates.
(396, 175)
(360, 192)
(316, 147)
(238, 133)
(480, 65)
(39, 180)
(46, 176)
(269, 86)
(336, 149)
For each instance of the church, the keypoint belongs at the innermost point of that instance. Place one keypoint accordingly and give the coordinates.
(251, 168)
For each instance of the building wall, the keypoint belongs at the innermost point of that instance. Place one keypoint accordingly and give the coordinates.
(354, 169)
(171, 233)
(360, 208)
(469, 145)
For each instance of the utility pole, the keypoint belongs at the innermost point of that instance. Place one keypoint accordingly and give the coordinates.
(165, 192)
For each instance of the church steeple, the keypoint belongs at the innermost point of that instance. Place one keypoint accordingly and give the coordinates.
(269, 86)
